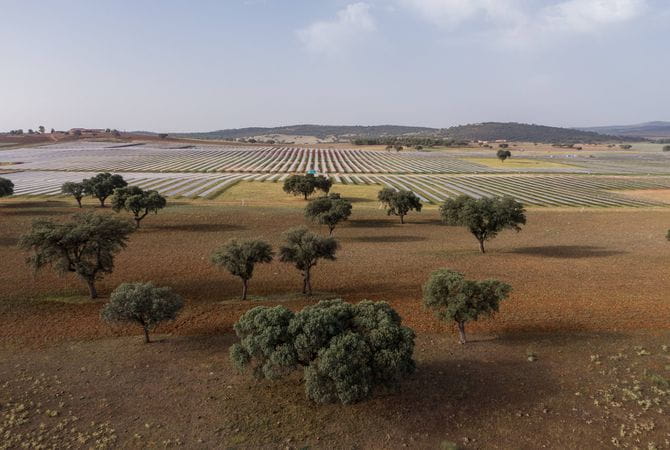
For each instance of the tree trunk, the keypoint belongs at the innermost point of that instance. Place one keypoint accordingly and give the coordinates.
(146, 334)
(481, 246)
(102, 201)
(461, 333)
(304, 283)
(402, 219)
(245, 286)
(91, 289)
(78, 201)
(137, 223)
(331, 231)
(308, 283)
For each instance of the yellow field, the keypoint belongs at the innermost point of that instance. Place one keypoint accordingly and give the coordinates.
(516, 163)
(257, 193)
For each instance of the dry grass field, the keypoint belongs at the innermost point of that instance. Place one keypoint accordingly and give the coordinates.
(577, 357)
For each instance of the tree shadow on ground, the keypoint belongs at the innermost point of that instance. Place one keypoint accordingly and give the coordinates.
(196, 227)
(37, 204)
(36, 212)
(6, 241)
(388, 239)
(372, 223)
(566, 251)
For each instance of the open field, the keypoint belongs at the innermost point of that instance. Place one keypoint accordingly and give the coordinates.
(519, 163)
(577, 357)
(590, 300)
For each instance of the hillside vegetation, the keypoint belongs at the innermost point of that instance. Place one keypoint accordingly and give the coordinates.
(487, 131)
(649, 130)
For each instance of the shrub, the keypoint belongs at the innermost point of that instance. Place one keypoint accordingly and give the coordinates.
(452, 297)
(503, 155)
(346, 351)
(240, 258)
(666, 148)
(144, 304)
(6, 187)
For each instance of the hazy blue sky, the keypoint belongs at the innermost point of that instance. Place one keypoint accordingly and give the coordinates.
(205, 65)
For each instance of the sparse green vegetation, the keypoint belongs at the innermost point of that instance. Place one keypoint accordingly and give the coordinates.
(347, 351)
(484, 217)
(137, 201)
(6, 187)
(399, 203)
(239, 257)
(329, 210)
(304, 249)
(144, 304)
(453, 298)
(85, 246)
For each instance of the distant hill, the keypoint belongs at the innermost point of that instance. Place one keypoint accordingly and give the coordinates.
(487, 131)
(649, 130)
(318, 131)
(512, 131)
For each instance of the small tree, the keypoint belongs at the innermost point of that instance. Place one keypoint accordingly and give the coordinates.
(452, 297)
(625, 146)
(346, 351)
(85, 246)
(398, 148)
(163, 135)
(77, 190)
(484, 217)
(503, 145)
(144, 304)
(6, 187)
(137, 201)
(305, 185)
(240, 258)
(399, 203)
(299, 185)
(503, 155)
(41, 129)
(102, 186)
(322, 183)
(330, 211)
(304, 249)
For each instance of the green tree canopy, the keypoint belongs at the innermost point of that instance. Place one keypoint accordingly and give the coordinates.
(503, 155)
(484, 217)
(85, 246)
(346, 351)
(240, 258)
(144, 304)
(6, 187)
(304, 249)
(102, 185)
(453, 298)
(137, 201)
(305, 185)
(329, 210)
(76, 190)
(399, 203)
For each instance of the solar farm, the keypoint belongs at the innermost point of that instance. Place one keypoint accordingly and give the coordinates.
(206, 171)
